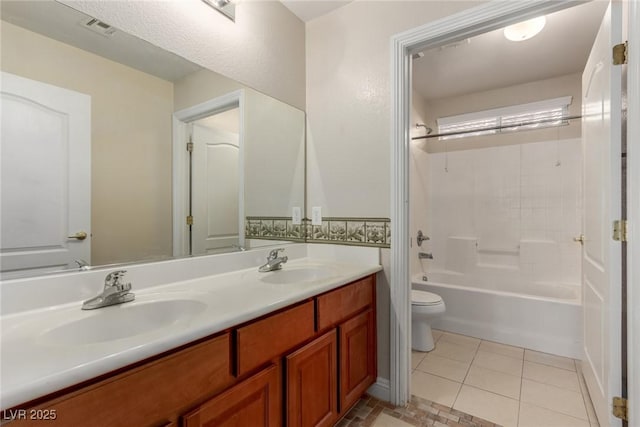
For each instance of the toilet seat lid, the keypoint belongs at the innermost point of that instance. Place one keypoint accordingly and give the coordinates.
(424, 298)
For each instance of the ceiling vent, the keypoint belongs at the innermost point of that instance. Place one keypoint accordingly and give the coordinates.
(99, 27)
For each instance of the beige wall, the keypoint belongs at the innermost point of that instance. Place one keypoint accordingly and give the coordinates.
(200, 87)
(349, 115)
(274, 134)
(131, 142)
(264, 48)
(512, 95)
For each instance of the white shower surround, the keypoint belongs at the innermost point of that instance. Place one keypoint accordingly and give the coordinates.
(502, 222)
(551, 323)
(507, 213)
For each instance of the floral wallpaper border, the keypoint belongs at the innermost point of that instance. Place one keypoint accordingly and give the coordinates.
(338, 230)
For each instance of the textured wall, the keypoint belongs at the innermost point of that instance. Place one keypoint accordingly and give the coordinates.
(263, 49)
(349, 116)
(349, 102)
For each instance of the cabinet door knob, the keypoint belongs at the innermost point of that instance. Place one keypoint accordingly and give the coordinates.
(80, 235)
(580, 239)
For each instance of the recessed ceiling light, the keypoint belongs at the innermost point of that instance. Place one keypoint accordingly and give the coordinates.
(525, 30)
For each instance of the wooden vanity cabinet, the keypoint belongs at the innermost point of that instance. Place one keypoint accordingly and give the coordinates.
(302, 366)
(327, 376)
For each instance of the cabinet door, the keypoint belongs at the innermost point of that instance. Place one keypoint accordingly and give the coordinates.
(312, 386)
(357, 358)
(255, 402)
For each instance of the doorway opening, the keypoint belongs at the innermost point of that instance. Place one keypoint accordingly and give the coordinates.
(446, 32)
(208, 177)
(214, 183)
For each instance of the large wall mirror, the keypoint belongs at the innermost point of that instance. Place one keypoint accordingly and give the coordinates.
(115, 151)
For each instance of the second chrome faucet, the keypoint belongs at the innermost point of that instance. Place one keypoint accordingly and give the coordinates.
(274, 262)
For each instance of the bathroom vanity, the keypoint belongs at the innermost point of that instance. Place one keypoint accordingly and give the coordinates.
(304, 363)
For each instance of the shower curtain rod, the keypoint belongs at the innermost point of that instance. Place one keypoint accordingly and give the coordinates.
(462, 132)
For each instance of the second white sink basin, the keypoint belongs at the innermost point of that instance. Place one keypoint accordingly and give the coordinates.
(299, 275)
(123, 321)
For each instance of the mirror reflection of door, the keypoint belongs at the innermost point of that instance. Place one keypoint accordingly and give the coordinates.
(215, 183)
(46, 176)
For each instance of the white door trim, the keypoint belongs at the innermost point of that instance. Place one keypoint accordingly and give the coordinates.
(180, 161)
(633, 211)
(477, 20)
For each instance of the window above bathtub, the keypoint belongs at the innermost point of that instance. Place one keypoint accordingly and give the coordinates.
(532, 115)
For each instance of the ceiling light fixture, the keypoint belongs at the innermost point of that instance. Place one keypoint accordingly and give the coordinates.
(226, 7)
(525, 30)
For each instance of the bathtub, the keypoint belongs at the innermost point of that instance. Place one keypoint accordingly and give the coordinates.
(539, 316)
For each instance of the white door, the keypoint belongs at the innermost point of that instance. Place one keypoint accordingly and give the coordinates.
(215, 190)
(46, 176)
(601, 133)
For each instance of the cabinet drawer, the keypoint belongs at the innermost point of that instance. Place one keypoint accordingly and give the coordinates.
(272, 336)
(338, 305)
(153, 394)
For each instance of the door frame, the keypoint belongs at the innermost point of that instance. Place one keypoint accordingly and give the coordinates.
(468, 23)
(180, 173)
(633, 209)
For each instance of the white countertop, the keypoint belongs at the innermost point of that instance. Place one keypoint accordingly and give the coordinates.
(36, 362)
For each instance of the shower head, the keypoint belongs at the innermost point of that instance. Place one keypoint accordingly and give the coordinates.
(427, 128)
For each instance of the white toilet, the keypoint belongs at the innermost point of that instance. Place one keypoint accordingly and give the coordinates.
(425, 306)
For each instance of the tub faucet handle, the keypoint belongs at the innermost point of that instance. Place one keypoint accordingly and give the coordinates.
(421, 238)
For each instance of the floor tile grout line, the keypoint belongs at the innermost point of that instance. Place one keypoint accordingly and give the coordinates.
(465, 376)
(502, 372)
(502, 354)
(521, 385)
(523, 359)
(553, 385)
(548, 364)
(557, 412)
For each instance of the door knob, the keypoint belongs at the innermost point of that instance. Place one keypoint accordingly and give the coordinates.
(580, 239)
(80, 235)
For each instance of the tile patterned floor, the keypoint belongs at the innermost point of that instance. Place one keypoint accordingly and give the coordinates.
(510, 386)
(420, 412)
(470, 382)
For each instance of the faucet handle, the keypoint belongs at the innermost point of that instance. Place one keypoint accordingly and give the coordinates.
(113, 278)
(274, 253)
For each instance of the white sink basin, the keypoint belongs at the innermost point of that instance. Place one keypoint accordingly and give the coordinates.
(297, 275)
(123, 321)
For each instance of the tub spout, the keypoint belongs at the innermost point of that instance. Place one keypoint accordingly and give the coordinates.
(425, 255)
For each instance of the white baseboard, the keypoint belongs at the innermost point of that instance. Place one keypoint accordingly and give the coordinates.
(380, 390)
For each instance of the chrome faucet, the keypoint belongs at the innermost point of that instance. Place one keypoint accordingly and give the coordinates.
(425, 255)
(114, 292)
(82, 264)
(274, 262)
